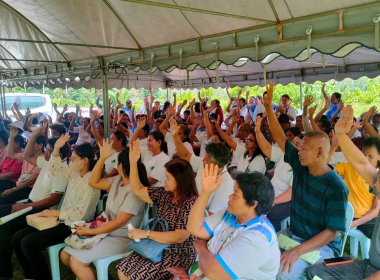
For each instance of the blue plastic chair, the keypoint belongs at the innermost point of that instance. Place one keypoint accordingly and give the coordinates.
(54, 260)
(285, 223)
(349, 218)
(356, 237)
(103, 264)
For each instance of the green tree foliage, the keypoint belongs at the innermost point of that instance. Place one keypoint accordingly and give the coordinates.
(361, 94)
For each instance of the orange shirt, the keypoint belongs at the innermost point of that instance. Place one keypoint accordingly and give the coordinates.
(359, 196)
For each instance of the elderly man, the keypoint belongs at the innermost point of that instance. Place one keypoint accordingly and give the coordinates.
(319, 198)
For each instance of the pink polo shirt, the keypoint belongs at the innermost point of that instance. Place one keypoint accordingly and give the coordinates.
(11, 165)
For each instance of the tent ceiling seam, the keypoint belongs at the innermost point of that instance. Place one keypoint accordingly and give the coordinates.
(23, 67)
(31, 24)
(274, 10)
(188, 20)
(122, 22)
(189, 9)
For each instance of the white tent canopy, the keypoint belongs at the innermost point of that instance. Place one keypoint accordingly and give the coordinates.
(139, 43)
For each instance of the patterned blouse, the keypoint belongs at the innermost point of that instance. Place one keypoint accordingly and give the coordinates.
(80, 199)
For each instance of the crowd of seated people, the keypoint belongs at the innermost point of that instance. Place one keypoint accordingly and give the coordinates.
(224, 181)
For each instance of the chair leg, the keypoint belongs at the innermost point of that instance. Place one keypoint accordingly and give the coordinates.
(54, 264)
(354, 243)
(364, 246)
(102, 271)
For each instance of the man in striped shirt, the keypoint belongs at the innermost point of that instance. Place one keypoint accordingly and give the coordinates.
(319, 198)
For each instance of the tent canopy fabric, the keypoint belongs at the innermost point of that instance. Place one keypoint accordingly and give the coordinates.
(180, 43)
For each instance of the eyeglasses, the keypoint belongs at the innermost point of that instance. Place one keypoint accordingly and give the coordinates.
(250, 140)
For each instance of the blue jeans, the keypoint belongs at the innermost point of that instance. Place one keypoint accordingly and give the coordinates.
(300, 266)
(357, 270)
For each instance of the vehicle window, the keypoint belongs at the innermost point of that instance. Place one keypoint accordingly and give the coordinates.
(31, 102)
(9, 100)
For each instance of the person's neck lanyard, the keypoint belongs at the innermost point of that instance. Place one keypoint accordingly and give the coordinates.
(249, 164)
(221, 173)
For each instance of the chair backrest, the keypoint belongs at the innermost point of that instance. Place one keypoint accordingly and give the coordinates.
(146, 216)
(349, 218)
(60, 203)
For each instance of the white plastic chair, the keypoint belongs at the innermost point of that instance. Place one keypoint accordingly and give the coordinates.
(356, 237)
(349, 218)
(103, 264)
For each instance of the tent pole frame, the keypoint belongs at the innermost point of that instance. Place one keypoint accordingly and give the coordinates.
(2, 97)
(106, 107)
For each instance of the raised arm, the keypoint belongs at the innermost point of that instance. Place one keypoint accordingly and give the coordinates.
(326, 107)
(73, 117)
(275, 128)
(96, 180)
(334, 146)
(97, 101)
(140, 124)
(312, 120)
(19, 114)
(11, 152)
(305, 118)
(210, 182)
(60, 117)
(207, 122)
(265, 147)
(164, 125)
(340, 107)
(229, 141)
(175, 100)
(197, 123)
(94, 130)
(116, 115)
(182, 151)
(372, 111)
(29, 150)
(353, 155)
(229, 105)
(137, 188)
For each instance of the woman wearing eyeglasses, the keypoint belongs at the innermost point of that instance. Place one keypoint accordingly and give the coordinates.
(249, 156)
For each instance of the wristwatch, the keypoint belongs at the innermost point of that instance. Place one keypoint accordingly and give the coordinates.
(148, 234)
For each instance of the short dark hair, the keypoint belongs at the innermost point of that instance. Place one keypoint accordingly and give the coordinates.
(182, 171)
(219, 153)
(338, 96)
(63, 150)
(123, 159)
(20, 141)
(187, 112)
(41, 140)
(186, 131)
(324, 123)
(146, 128)
(256, 187)
(121, 136)
(294, 130)
(283, 118)
(59, 128)
(86, 151)
(372, 142)
(217, 102)
(336, 119)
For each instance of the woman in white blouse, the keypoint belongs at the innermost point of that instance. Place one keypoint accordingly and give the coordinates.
(123, 206)
(79, 205)
(249, 155)
(154, 156)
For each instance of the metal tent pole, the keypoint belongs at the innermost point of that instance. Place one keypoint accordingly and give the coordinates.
(106, 108)
(2, 94)
(301, 94)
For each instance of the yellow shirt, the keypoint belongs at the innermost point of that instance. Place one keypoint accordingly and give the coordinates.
(359, 196)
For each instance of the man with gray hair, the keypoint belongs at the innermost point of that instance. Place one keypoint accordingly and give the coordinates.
(216, 153)
(319, 198)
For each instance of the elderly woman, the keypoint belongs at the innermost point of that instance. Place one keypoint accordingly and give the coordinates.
(174, 202)
(238, 242)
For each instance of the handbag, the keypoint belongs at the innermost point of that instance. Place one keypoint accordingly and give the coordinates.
(87, 242)
(150, 249)
(41, 223)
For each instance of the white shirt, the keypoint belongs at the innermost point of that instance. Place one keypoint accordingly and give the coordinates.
(243, 164)
(46, 183)
(338, 157)
(84, 136)
(172, 148)
(293, 113)
(155, 166)
(202, 138)
(144, 142)
(143, 109)
(283, 174)
(219, 198)
(260, 109)
(245, 251)
(111, 163)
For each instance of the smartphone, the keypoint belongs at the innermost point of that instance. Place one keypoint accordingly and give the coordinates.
(338, 261)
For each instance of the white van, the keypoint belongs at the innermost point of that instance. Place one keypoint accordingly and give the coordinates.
(37, 103)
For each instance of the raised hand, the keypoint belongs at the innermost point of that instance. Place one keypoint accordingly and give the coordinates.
(312, 110)
(192, 103)
(62, 141)
(240, 92)
(171, 110)
(39, 131)
(73, 115)
(334, 140)
(99, 93)
(65, 108)
(258, 125)
(55, 106)
(94, 117)
(134, 152)
(27, 113)
(174, 127)
(13, 132)
(141, 122)
(248, 118)
(184, 103)
(235, 119)
(268, 98)
(15, 105)
(198, 120)
(217, 123)
(91, 107)
(117, 95)
(344, 124)
(210, 178)
(308, 101)
(340, 106)
(77, 107)
(106, 150)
